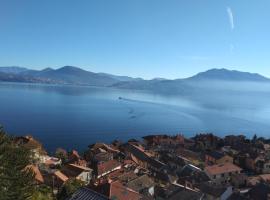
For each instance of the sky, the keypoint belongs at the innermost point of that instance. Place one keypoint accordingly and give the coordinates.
(138, 38)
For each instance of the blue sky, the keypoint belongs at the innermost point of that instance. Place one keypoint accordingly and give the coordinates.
(139, 38)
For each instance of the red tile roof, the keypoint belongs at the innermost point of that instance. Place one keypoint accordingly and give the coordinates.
(61, 176)
(117, 191)
(222, 168)
(120, 192)
(108, 166)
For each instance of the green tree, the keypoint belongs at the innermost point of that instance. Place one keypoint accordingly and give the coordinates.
(16, 181)
(43, 193)
(69, 188)
(61, 154)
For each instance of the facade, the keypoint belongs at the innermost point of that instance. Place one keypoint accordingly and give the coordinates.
(79, 172)
(222, 173)
(215, 157)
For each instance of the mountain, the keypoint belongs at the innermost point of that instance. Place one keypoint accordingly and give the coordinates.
(77, 76)
(121, 78)
(228, 75)
(12, 70)
(63, 75)
(202, 80)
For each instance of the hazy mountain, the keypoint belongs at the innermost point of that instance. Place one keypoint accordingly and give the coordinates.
(222, 78)
(63, 75)
(12, 70)
(121, 78)
(228, 75)
(77, 76)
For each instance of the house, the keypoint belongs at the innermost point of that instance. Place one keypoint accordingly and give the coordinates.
(116, 190)
(239, 180)
(262, 166)
(254, 180)
(123, 176)
(259, 192)
(215, 157)
(103, 157)
(105, 168)
(143, 158)
(164, 140)
(143, 184)
(222, 173)
(102, 147)
(188, 156)
(52, 161)
(75, 158)
(76, 171)
(212, 192)
(175, 192)
(87, 194)
(207, 141)
(191, 177)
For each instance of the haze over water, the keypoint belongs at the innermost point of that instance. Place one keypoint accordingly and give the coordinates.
(74, 117)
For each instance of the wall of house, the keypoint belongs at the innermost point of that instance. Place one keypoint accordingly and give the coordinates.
(221, 178)
(266, 168)
(85, 176)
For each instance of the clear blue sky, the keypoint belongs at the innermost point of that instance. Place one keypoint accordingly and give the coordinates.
(145, 38)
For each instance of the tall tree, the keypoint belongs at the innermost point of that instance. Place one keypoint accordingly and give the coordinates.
(16, 181)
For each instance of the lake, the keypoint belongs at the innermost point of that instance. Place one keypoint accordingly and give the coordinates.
(74, 116)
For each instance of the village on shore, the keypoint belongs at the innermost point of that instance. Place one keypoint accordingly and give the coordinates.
(159, 167)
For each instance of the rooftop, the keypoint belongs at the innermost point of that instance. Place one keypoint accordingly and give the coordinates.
(87, 194)
(222, 168)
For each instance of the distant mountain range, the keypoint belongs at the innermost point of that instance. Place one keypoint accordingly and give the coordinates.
(63, 75)
(76, 76)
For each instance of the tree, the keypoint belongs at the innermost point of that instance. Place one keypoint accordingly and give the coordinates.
(61, 154)
(16, 181)
(43, 193)
(71, 186)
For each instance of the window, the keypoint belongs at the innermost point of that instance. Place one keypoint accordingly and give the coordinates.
(222, 175)
(214, 176)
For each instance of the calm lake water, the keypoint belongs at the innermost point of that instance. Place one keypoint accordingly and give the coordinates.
(74, 117)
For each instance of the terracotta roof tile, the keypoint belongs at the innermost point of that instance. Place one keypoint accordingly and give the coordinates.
(222, 168)
(120, 192)
(108, 166)
(61, 176)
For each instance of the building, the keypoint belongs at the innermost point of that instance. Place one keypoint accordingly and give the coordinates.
(164, 140)
(116, 190)
(143, 184)
(143, 158)
(105, 168)
(212, 192)
(222, 173)
(87, 194)
(215, 157)
(175, 192)
(191, 177)
(79, 172)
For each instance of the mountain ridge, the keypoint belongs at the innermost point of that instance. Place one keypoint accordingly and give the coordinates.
(77, 76)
